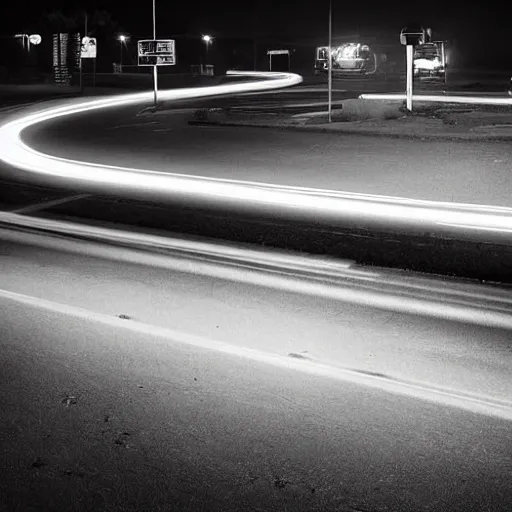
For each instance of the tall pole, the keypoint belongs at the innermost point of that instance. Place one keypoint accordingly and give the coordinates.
(121, 54)
(329, 60)
(81, 60)
(410, 64)
(155, 74)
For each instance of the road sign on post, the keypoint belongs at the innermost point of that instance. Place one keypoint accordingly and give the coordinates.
(411, 37)
(157, 52)
(271, 53)
(88, 49)
(154, 53)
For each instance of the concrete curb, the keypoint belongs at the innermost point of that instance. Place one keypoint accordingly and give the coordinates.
(373, 132)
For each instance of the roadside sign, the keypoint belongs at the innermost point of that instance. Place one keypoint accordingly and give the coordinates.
(156, 52)
(278, 52)
(282, 56)
(88, 48)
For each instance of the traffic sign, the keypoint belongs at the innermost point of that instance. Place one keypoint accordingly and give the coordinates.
(88, 48)
(156, 52)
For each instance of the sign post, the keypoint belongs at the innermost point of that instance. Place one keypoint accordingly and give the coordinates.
(411, 37)
(409, 80)
(329, 70)
(153, 52)
(88, 50)
(155, 71)
(81, 63)
(278, 52)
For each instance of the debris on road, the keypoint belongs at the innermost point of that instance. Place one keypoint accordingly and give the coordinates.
(70, 400)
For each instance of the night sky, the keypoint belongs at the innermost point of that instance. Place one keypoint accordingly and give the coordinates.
(264, 16)
(469, 23)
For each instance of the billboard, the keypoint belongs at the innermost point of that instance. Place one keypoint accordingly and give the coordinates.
(88, 48)
(156, 52)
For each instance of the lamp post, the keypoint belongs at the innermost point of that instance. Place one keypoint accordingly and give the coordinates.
(155, 69)
(207, 39)
(122, 40)
(329, 60)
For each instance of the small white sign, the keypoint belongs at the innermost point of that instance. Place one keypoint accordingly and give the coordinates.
(153, 52)
(278, 52)
(88, 48)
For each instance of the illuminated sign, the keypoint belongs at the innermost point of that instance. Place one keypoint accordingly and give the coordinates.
(156, 52)
(88, 48)
(35, 39)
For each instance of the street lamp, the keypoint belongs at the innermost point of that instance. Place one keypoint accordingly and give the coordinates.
(207, 39)
(122, 41)
(27, 40)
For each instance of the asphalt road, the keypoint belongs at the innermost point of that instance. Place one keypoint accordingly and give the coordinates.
(476, 173)
(107, 413)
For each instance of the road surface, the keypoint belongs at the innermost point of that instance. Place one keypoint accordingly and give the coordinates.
(477, 173)
(110, 402)
(454, 172)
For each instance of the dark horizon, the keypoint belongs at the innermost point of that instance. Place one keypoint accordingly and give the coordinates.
(472, 29)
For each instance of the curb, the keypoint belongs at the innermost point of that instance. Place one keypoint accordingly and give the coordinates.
(462, 137)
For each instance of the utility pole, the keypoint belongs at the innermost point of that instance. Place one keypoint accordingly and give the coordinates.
(155, 73)
(329, 60)
(81, 60)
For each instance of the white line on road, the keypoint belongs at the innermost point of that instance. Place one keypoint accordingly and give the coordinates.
(48, 204)
(472, 403)
(133, 125)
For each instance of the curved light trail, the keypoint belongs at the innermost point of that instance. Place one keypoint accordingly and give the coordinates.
(297, 201)
(434, 98)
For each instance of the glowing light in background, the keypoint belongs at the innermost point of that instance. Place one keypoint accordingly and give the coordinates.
(428, 64)
(35, 39)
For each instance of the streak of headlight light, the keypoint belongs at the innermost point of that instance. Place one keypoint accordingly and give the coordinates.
(18, 154)
(475, 100)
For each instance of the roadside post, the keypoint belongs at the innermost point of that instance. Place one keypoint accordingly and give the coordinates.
(271, 53)
(329, 69)
(411, 37)
(88, 50)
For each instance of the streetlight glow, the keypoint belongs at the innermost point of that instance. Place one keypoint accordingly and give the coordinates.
(207, 39)
(122, 40)
(35, 39)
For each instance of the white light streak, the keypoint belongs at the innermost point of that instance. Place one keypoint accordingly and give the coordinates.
(433, 98)
(296, 200)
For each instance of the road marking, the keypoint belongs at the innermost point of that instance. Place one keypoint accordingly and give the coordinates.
(134, 125)
(48, 204)
(478, 404)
